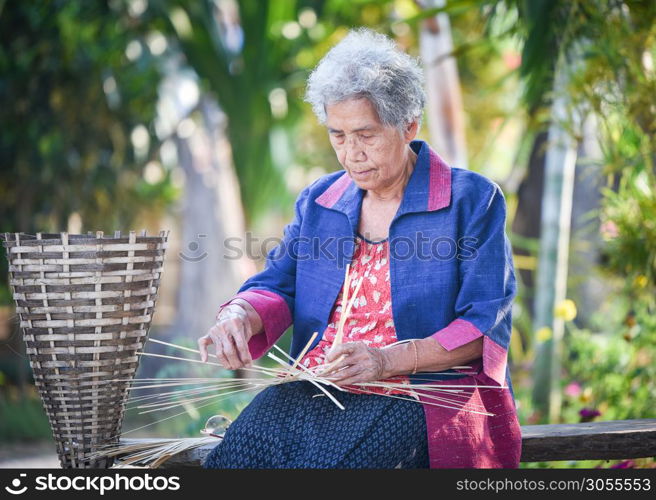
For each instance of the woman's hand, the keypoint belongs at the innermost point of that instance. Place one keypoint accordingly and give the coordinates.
(356, 362)
(230, 336)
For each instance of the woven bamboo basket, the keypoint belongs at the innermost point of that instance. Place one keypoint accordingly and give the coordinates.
(85, 304)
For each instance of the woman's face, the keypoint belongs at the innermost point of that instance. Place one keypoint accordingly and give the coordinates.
(373, 154)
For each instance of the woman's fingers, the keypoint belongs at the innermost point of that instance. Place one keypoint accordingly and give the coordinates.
(339, 364)
(354, 362)
(230, 337)
(203, 342)
(347, 375)
(342, 358)
(341, 350)
(216, 334)
(229, 351)
(242, 349)
(213, 337)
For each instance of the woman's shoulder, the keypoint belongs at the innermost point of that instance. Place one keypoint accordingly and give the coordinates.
(323, 182)
(472, 188)
(467, 182)
(320, 185)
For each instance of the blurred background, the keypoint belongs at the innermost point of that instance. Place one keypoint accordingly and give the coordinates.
(188, 116)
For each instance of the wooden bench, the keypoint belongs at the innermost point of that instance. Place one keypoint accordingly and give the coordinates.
(617, 439)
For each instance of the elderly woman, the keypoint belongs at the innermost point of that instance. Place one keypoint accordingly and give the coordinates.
(428, 243)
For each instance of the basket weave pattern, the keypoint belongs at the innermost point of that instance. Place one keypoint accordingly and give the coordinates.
(85, 304)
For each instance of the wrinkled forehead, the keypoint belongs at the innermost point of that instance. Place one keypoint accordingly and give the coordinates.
(352, 115)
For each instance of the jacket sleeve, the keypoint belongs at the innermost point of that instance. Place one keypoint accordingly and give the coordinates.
(487, 289)
(271, 292)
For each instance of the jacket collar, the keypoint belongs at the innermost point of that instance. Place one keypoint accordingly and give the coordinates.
(428, 189)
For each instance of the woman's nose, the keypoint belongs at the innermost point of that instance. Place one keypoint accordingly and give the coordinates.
(354, 150)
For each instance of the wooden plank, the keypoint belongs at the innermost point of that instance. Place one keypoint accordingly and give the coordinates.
(617, 439)
(589, 441)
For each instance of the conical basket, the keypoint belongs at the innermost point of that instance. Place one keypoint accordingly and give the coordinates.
(85, 304)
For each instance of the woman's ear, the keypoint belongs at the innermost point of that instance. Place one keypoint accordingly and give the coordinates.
(411, 130)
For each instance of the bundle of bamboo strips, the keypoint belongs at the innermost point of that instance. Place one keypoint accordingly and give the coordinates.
(152, 453)
(207, 391)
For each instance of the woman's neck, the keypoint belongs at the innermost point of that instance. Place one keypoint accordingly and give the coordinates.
(394, 191)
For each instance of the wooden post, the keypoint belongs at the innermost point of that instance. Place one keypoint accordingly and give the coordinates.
(551, 284)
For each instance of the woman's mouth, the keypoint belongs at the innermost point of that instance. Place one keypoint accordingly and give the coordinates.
(363, 173)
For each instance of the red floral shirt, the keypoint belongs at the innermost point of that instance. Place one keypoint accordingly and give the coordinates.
(370, 320)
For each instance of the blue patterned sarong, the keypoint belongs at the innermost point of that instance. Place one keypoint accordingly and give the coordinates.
(294, 425)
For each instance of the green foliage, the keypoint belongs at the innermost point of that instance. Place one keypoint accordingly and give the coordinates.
(72, 98)
(630, 226)
(608, 49)
(539, 26)
(23, 418)
(616, 374)
(617, 82)
(259, 81)
(241, 73)
(70, 101)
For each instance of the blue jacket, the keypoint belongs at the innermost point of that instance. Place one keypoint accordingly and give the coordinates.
(451, 265)
(452, 277)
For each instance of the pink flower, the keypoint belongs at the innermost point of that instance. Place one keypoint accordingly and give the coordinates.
(573, 389)
(609, 230)
(512, 59)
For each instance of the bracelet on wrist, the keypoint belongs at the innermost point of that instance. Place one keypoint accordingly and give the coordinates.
(222, 308)
(414, 344)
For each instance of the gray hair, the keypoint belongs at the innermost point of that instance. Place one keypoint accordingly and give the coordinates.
(369, 64)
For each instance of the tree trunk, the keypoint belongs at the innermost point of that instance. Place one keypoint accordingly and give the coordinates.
(588, 288)
(444, 100)
(526, 222)
(211, 212)
(551, 286)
